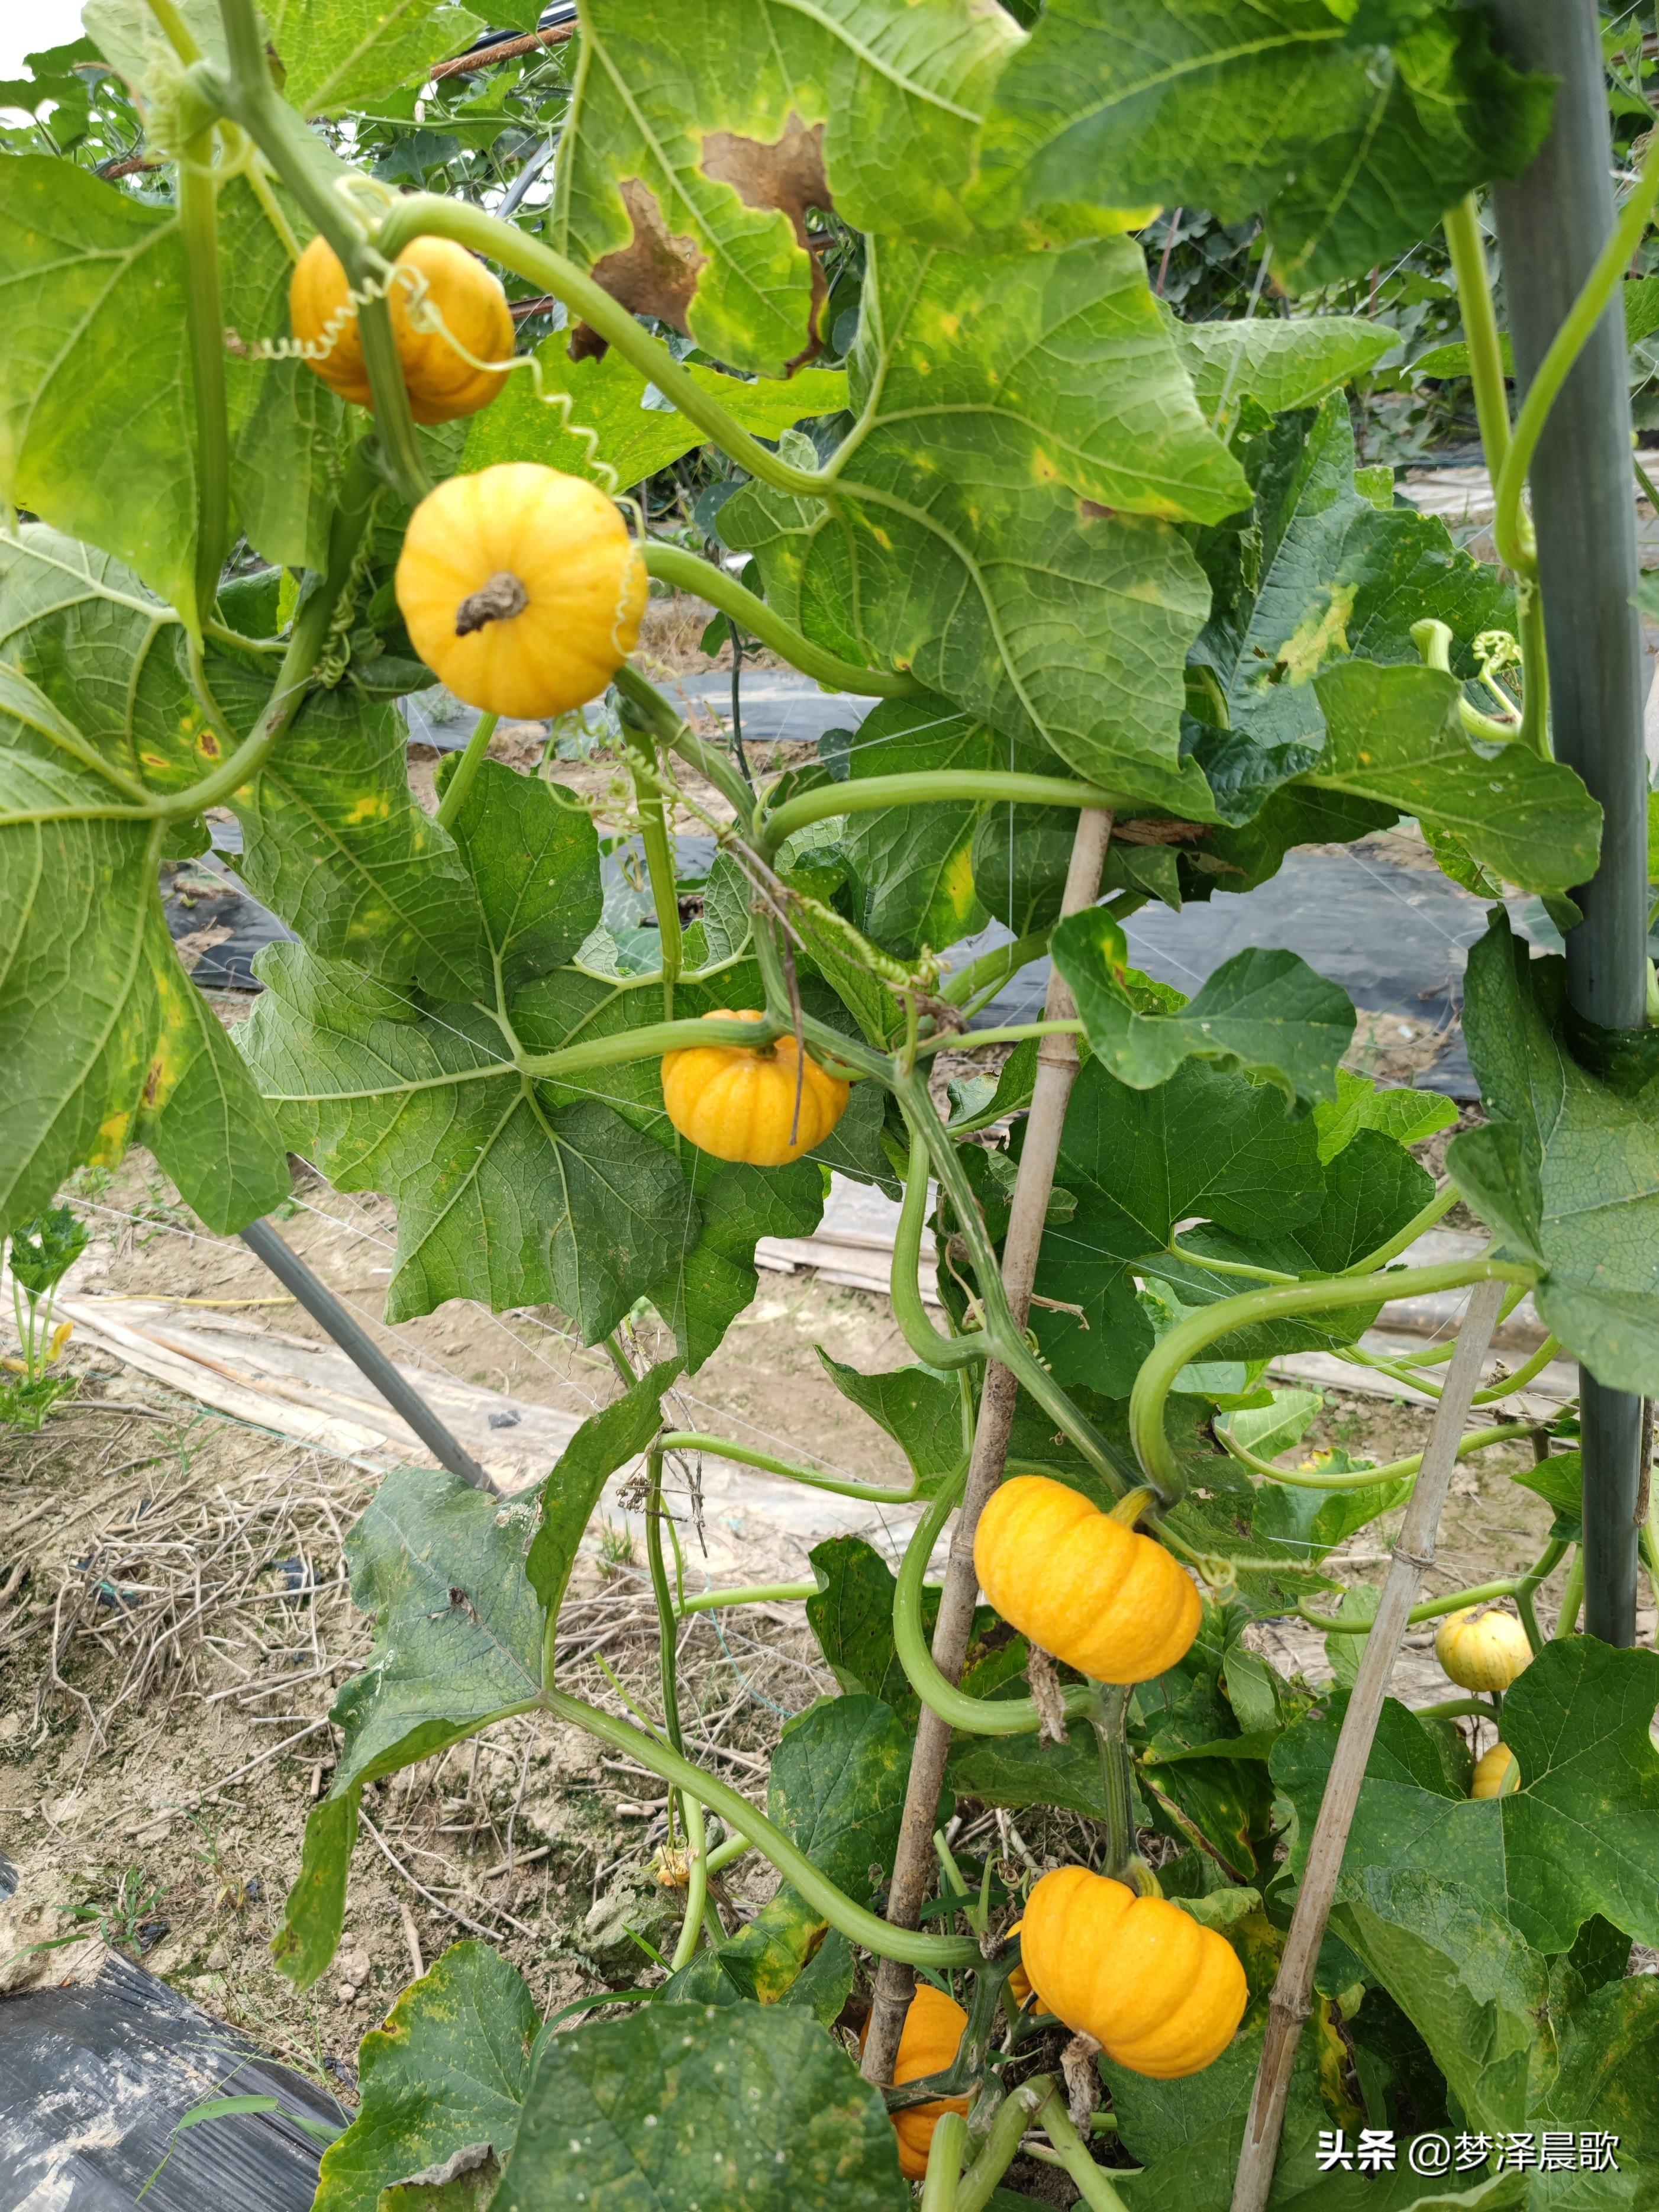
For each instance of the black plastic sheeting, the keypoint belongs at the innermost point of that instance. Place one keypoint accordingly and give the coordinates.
(95, 2076)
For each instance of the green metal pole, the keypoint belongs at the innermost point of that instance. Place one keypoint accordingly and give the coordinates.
(1551, 225)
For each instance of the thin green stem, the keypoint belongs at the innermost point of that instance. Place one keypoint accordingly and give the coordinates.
(878, 1493)
(176, 31)
(995, 1717)
(1452, 1709)
(660, 867)
(1572, 1595)
(1535, 1366)
(1013, 2117)
(1017, 1033)
(1362, 1478)
(1109, 1717)
(931, 1347)
(728, 1853)
(649, 1043)
(1188, 1338)
(1229, 1266)
(697, 1881)
(706, 580)
(204, 322)
(1073, 2153)
(1535, 668)
(1599, 287)
(1434, 641)
(1491, 400)
(857, 1924)
(924, 788)
(1436, 1208)
(996, 967)
(427, 215)
(749, 1594)
(465, 770)
(659, 717)
(1432, 1608)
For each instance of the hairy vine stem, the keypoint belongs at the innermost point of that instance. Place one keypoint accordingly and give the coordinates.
(198, 224)
(1057, 1065)
(707, 579)
(1414, 1554)
(465, 771)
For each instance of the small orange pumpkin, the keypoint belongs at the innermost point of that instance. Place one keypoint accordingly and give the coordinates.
(1112, 1604)
(739, 1103)
(1160, 1994)
(472, 317)
(932, 2037)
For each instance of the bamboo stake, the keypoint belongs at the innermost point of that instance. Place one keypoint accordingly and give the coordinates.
(1414, 1554)
(1057, 1066)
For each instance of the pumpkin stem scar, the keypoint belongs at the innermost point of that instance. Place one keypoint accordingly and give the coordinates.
(497, 599)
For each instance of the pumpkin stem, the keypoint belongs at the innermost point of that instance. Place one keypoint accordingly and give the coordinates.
(498, 598)
(1129, 1508)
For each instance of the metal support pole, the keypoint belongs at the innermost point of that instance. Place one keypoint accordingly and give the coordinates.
(1551, 225)
(364, 1354)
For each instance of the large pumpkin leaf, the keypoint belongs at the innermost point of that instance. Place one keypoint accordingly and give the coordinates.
(104, 1040)
(92, 287)
(1394, 735)
(1580, 1836)
(1350, 129)
(989, 534)
(683, 2106)
(1566, 1171)
(1315, 571)
(499, 1198)
(712, 1277)
(1267, 1014)
(337, 54)
(700, 135)
(920, 1410)
(1279, 365)
(447, 2070)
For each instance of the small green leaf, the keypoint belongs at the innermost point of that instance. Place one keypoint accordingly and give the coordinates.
(747, 2106)
(446, 2071)
(533, 855)
(1279, 365)
(606, 1440)
(339, 54)
(313, 1913)
(1266, 1014)
(1407, 1116)
(1559, 1481)
(920, 1410)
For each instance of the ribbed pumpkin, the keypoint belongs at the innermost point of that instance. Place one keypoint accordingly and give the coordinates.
(932, 2035)
(1160, 1995)
(1497, 1773)
(1112, 1604)
(443, 382)
(521, 588)
(1482, 1651)
(739, 1103)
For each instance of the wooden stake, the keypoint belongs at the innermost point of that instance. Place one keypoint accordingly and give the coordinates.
(1414, 1554)
(1057, 1066)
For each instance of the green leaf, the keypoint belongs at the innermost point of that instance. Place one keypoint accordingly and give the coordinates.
(42, 1251)
(609, 433)
(913, 874)
(1279, 365)
(501, 1196)
(920, 1410)
(1203, 1143)
(1017, 1771)
(1394, 735)
(315, 1910)
(533, 855)
(970, 541)
(448, 2069)
(1468, 1983)
(1266, 1014)
(1638, 297)
(1407, 1116)
(1314, 572)
(606, 1440)
(837, 1787)
(680, 2107)
(287, 427)
(104, 1040)
(851, 1615)
(766, 1961)
(708, 1285)
(1609, 2067)
(698, 141)
(1349, 130)
(1559, 1481)
(1579, 1836)
(92, 293)
(1567, 1170)
(334, 843)
(1370, 1190)
(1273, 1430)
(339, 54)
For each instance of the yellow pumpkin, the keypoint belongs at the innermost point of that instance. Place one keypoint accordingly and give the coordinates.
(1159, 1993)
(521, 588)
(1482, 1651)
(739, 1103)
(932, 2037)
(467, 299)
(1112, 1604)
(1497, 1773)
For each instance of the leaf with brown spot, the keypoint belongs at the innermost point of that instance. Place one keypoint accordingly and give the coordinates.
(701, 135)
